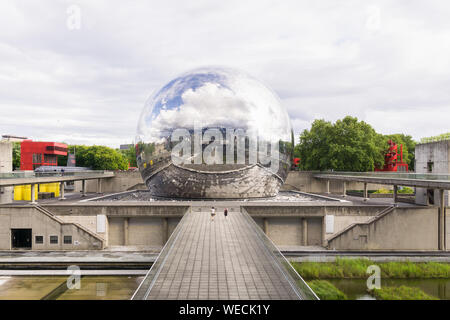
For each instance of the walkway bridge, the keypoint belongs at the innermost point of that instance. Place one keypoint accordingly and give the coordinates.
(440, 182)
(10, 179)
(228, 258)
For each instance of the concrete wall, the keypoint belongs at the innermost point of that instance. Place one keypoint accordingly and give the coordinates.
(117, 209)
(304, 181)
(42, 225)
(284, 223)
(6, 193)
(402, 229)
(140, 231)
(439, 154)
(122, 181)
(147, 225)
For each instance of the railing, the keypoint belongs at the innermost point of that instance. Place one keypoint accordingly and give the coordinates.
(395, 175)
(300, 287)
(32, 174)
(143, 291)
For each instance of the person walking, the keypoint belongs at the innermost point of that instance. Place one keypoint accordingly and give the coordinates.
(225, 212)
(213, 213)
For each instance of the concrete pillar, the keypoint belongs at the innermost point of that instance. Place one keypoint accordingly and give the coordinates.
(328, 186)
(266, 226)
(83, 188)
(305, 231)
(99, 185)
(324, 234)
(6, 193)
(126, 222)
(395, 193)
(442, 235)
(33, 193)
(344, 189)
(61, 191)
(366, 197)
(165, 222)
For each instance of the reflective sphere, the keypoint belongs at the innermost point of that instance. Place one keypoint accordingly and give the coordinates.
(214, 133)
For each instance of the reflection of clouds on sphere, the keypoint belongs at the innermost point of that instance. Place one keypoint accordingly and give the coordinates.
(212, 98)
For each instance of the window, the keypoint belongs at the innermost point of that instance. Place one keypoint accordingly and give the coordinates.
(39, 239)
(37, 158)
(67, 239)
(50, 158)
(53, 148)
(53, 239)
(430, 166)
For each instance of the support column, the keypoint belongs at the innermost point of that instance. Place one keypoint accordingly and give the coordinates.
(305, 231)
(344, 189)
(328, 187)
(61, 191)
(83, 188)
(165, 226)
(266, 226)
(442, 235)
(99, 185)
(126, 222)
(33, 193)
(395, 193)
(365, 192)
(324, 234)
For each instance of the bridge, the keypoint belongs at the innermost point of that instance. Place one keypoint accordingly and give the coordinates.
(228, 258)
(11, 179)
(439, 182)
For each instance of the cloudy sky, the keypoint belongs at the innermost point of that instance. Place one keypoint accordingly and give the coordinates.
(80, 72)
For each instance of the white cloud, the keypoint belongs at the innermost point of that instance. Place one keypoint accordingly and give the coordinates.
(379, 61)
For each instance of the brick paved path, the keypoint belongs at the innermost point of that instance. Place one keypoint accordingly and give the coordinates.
(220, 259)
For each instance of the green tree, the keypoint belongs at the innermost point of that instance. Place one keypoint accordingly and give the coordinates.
(130, 156)
(16, 155)
(96, 158)
(347, 145)
(441, 137)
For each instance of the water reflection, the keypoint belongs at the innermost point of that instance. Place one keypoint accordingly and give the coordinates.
(44, 287)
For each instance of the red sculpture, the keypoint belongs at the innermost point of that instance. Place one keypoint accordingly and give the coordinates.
(391, 161)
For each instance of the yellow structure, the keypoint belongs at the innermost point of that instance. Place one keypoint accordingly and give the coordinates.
(24, 192)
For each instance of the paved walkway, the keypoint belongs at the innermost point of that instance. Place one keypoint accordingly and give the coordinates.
(220, 259)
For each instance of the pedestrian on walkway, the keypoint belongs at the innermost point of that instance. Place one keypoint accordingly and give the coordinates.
(213, 213)
(225, 212)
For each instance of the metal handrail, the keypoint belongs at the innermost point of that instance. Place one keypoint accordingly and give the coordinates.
(32, 174)
(300, 287)
(388, 175)
(143, 291)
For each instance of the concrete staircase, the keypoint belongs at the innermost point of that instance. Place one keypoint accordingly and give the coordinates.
(77, 225)
(359, 229)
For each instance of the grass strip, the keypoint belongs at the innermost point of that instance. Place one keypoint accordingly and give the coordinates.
(401, 293)
(326, 290)
(344, 268)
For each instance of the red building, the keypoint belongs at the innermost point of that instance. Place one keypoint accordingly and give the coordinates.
(34, 154)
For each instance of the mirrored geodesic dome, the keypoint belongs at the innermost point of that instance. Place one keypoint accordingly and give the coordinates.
(214, 133)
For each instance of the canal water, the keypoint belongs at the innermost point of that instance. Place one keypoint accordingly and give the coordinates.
(356, 289)
(123, 287)
(55, 288)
